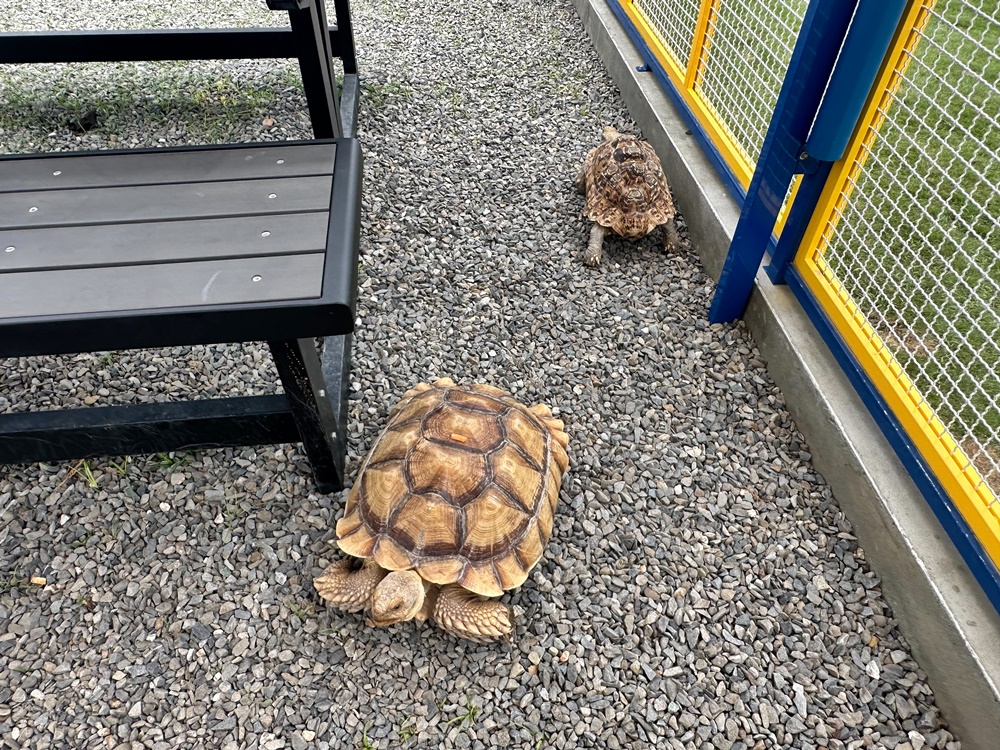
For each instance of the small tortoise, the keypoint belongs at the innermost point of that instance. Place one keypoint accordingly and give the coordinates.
(452, 506)
(626, 192)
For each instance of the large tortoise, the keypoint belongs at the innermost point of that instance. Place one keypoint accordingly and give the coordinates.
(452, 506)
(626, 192)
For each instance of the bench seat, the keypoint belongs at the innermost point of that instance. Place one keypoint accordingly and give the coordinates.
(122, 249)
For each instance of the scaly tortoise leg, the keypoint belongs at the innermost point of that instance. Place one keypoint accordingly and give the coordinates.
(592, 256)
(467, 615)
(349, 589)
(581, 180)
(671, 240)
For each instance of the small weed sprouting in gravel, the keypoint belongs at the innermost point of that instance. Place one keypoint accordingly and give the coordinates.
(122, 468)
(12, 582)
(109, 534)
(377, 95)
(81, 541)
(536, 734)
(83, 470)
(406, 731)
(366, 743)
(236, 508)
(300, 608)
(466, 719)
(171, 460)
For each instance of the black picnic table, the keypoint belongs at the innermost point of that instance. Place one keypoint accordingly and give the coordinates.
(146, 248)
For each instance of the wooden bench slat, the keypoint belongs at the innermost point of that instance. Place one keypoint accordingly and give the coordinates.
(130, 244)
(161, 285)
(163, 202)
(164, 167)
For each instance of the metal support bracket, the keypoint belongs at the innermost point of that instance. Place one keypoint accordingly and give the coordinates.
(308, 395)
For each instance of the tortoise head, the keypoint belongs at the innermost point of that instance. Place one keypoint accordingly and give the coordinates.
(397, 598)
(610, 132)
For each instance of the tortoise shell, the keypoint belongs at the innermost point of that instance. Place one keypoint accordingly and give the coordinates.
(461, 486)
(626, 189)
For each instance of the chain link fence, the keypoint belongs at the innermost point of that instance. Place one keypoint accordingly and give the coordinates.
(730, 58)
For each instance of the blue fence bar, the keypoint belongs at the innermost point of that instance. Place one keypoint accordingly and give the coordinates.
(867, 40)
(823, 31)
(871, 31)
(948, 515)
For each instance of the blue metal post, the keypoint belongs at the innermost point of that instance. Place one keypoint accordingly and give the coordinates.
(867, 41)
(790, 147)
(820, 38)
(864, 50)
(799, 216)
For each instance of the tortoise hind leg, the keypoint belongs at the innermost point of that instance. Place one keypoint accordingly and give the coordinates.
(467, 615)
(349, 589)
(592, 256)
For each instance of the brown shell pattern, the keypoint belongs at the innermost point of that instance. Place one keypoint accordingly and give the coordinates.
(461, 485)
(626, 189)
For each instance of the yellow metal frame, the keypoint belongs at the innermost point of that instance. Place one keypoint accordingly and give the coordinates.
(949, 463)
(685, 76)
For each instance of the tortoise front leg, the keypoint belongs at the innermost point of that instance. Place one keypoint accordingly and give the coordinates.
(348, 589)
(592, 257)
(671, 240)
(581, 180)
(467, 615)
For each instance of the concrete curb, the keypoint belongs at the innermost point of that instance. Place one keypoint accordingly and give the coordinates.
(951, 626)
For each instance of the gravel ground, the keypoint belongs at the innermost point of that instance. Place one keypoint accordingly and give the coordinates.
(702, 589)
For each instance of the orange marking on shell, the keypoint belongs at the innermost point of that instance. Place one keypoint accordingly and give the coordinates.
(459, 438)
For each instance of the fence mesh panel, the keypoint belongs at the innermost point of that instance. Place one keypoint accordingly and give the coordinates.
(917, 245)
(674, 22)
(747, 53)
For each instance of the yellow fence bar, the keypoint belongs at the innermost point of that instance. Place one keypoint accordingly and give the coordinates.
(716, 131)
(963, 484)
(702, 40)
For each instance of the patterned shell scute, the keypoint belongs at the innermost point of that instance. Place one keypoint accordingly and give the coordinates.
(626, 189)
(461, 485)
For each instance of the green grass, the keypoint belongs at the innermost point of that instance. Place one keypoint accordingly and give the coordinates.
(366, 743)
(376, 95)
(406, 731)
(83, 470)
(171, 460)
(928, 257)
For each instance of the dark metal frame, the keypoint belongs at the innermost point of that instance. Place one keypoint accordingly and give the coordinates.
(313, 409)
(314, 49)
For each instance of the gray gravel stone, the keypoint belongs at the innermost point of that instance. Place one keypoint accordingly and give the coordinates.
(702, 589)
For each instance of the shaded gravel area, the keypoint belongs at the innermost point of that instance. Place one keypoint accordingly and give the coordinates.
(702, 589)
